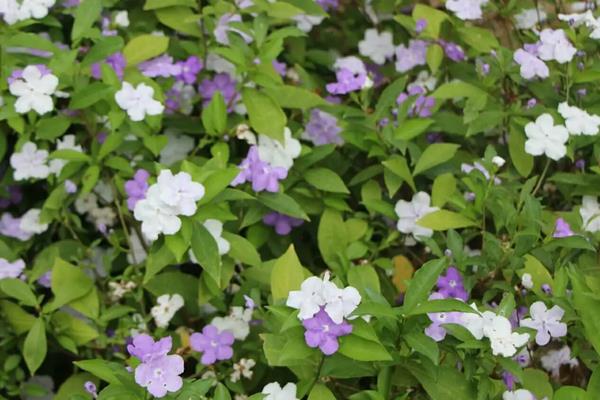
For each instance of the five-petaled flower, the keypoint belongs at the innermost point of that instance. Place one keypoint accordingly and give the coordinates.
(543, 137)
(34, 90)
(546, 322)
(138, 101)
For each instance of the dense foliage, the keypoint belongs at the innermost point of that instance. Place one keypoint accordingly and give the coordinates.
(286, 199)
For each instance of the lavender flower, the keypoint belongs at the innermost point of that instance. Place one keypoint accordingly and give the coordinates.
(435, 330)
(45, 280)
(562, 229)
(283, 223)
(323, 333)
(279, 67)
(453, 51)
(347, 82)
(223, 83)
(322, 129)
(189, 69)
(327, 4)
(213, 345)
(223, 27)
(262, 175)
(423, 105)
(11, 227)
(451, 285)
(90, 387)
(420, 25)
(11, 269)
(160, 66)
(409, 57)
(180, 98)
(136, 188)
(116, 61)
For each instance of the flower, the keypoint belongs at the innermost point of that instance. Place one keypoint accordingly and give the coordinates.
(409, 57)
(136, 188)
(283, 223)
(279, 154)
(519, 394)
(531, 66)
(322, 332)
(215, 228)
(242, 368)
(237, 322)
(179, 191)
(138, 101)
(546, 322)
(306, 22)
(67, 143)
(377, 46)
(590, 214)
(158, 372)
(562, 229)
(34, 90)
(165, 309)
(543, 137)
(587, 18)
(30, 162)
(263, 175)
(498, 161)
(340, 303)
(503, 340)
(466, 9)
(223, 83)
(11, 269)
(526, 281)
(90, 387)
(435, 330)
(122, 18)
(578, 121)
(30, 222)
(189, 70)
(116, 61)
(347, 82)
(177, 148)
(160, 66)
(223, 27)
(554, 359)
(274, 391)
(410, 212)
(554, 45)
(14, 11)
(529, 18)
(451, 285)
(156, 216)
(422, 106)
(11, 227)
(322, 128)
(453, 51)
(213, 345)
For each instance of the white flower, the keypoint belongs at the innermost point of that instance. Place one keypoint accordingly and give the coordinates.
(308, 299)
(526, 281)
(30, 163)
(67, 143)
(156, 216)
(218, 64)
(306, 22)
(242, 368)
(166, 308)
(554, 45)
(138, 101)
(578, 121)
(122, 19)
(519, 394)
(237, 322)
(33, 91)
(590, 214)
(177, 148)
(102, 217)
(340, 303)
(410, 212)
(474, 322)
(466, 9)
(530, 65)
(587, 18)
(498, 161)
(274, 391)
(11, 269)
(215, 228)
(503, 340)
(424, 80)
(352, 64)
(30, 222)
(13, 12)
(179, 191)
(86, 203)
(137, 253)
(543, 137)
(529, 18)
(279, 154)
(554, 359)
(377, 46)
(546, 322)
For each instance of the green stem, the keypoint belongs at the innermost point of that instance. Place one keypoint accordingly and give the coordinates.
(318, 375)
(542, 176)
(383, 382)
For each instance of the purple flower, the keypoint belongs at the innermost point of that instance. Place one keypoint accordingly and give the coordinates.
(160, 66)
(451, 285)
(580, 164)
(214, 345)
(223, 28)
(436, 331)
(70, 186)
(531, 66)
(145, 349)
(189, 69)
(70, 3)
(280, 67)
(327, 4)
(509, 380)
(11, 269)
(409, 57)
(347, 82)
(160, 375)
(262, 175)
(322, 128)
(421, 25)
(531, 103)
(90, 387)
(136, 188)
(116, 61)
(283, 223)
(180, 98)
(223, 83)
(453, 51)
(323, 333)
(423, 105)
(562, 229)
(11, 227)
(45, 280)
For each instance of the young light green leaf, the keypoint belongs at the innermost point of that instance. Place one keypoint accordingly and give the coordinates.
(144, 47)
(265, 114)
(206, 251)
(287, 274)
(35, 347)
(85, 15)
(420, 285)
(326, 180)
(442, 220)
(434, 155)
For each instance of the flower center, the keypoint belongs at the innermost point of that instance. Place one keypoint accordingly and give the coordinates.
(452, 283)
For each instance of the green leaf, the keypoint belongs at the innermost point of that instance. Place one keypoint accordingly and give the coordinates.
(144, 47)
(19, 290)
(287, 274)
(103, 48)
(155, 143)
(265, 115)
(442, 220)
(20, 320)
(181, 19)
(423, 344)
(242, 250)
(155, 4)
(320, 392)
(51, 128)
(30, 41)
(105, 370)
(326, 180)
(444, 305)
(70, 155)
(435, 154)
(68, 283)
(89, 179)
(522, 161)
(593, 387)
(221, 392)
(214, 116)
(572, 393)
(411, 128)
(206, 251)
(588, 309)
(399, 166)
(361, 349)
(288, 96)
(433, 17)
(76, 329)
(86, 14)
(444, 186)
(35, 347)
(283, 204)
(434, 57)
(539, 274)
(441, 383)
(332, 236)
(481, 39)
(536, 381)
(90, 95)
(422, 282)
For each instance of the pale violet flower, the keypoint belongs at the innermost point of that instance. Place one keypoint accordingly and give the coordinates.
(543, 137)
(215, 228)
(527, 281)
(122, 19)
(466, 9)
(410, 212)
(554, 45)
(274, 391)
(30, 162)
(377, 46)
(529, 18)
(177, 148)
(179, 191)
(352, 64)
(590, 214)
(237, 322)
(11, 269)
(279, 154)
(554, 359)
(67, 143)
(306, 22)
(519, 394)
(546, 322)
(530, 65)
(578, 121)
(138, 101)
(165, 309)
(587, 18)
(156, 216)
(34, 90)
(223, 27)
(30, 222)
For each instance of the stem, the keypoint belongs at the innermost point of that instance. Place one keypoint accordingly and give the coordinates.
(383, 382)
(542, 176)
(318, 373)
